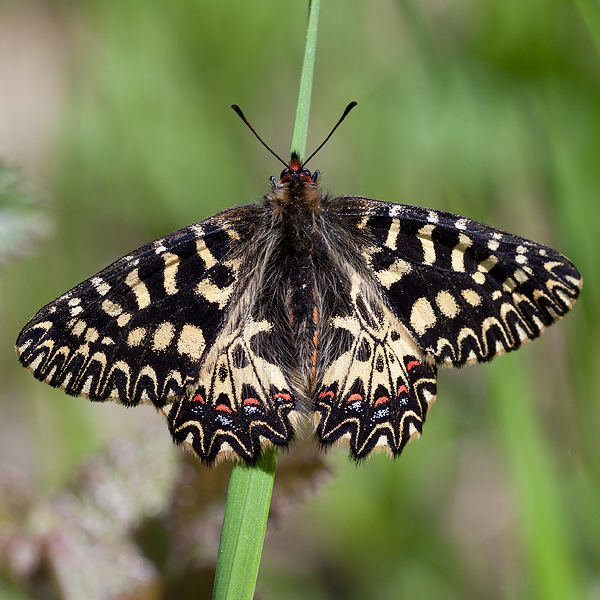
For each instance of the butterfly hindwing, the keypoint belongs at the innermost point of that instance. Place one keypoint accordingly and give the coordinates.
(239, 403)
(377, 389)
(466, 292)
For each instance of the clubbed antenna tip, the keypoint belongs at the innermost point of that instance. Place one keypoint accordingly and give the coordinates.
(344, 115)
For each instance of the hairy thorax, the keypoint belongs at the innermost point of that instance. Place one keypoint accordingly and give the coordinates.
(296, 201)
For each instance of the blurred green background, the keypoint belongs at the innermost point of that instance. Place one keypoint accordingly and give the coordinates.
(117, 119)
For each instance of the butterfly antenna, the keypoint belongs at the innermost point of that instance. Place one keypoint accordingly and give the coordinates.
(238, 110)
(348, 109)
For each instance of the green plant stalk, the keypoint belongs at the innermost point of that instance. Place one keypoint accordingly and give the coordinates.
(250, 488)
(300, 131)
(244, 526)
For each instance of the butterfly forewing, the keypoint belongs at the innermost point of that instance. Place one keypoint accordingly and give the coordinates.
(465, 291)
(173, 324)
(137, 330)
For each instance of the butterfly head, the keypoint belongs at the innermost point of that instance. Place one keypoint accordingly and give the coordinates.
(297, 173)
(296, 194)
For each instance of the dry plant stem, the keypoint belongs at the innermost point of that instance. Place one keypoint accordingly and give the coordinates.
(250, 488)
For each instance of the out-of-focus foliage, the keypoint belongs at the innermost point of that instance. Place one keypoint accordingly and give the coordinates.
(137, 522)
(77, 544)
(21, 225)
(486, 109)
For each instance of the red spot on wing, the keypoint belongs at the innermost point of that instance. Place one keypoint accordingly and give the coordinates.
(223, 408)
(248, 401)
(323, 394)
(412, 363)
(198, 398)
(282, 395)
(381, 400)
(355, 397)
(401, 389)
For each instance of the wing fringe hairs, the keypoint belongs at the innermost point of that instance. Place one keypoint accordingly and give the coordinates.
(343, 308)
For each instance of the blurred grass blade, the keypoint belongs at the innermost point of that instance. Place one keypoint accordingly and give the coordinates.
(590, 12)
(553, 574)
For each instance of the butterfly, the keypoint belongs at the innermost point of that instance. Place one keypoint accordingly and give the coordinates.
(303, 304)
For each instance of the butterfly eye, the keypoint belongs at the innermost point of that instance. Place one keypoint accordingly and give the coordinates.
(306, 172)
(284, 173)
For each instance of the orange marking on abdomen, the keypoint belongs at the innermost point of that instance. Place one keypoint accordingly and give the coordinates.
(381, 400)
(354, 397)
(323, 394)
(282, 395)
(251, 401)
(223, 408)
(315, 314)
(401, 389)
(313, 371)
(198, 398)
(412, 363)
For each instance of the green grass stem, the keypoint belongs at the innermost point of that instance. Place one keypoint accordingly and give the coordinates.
(244, 526)
(300, 131)
(250, 488)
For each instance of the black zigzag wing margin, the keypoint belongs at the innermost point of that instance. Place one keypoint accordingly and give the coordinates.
(138, 330)
(465, 291)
